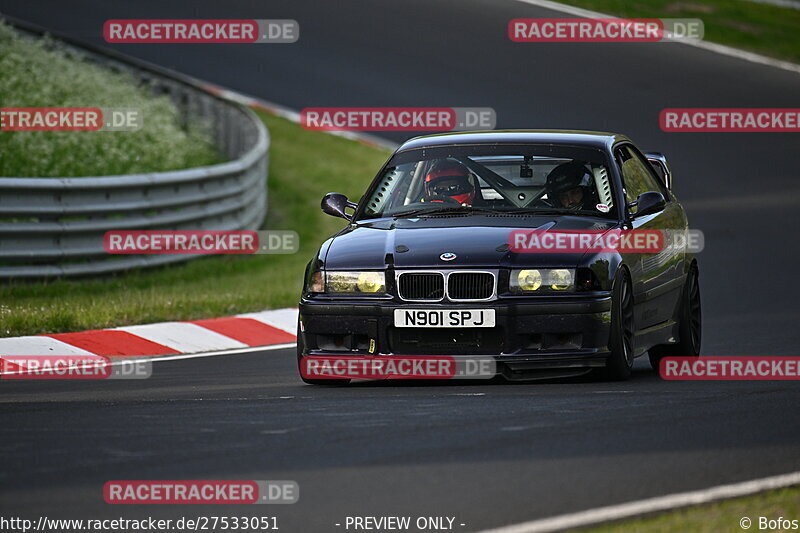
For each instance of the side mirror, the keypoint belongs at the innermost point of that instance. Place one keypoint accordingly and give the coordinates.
(335, 203)
(648, 203)
(659, 163)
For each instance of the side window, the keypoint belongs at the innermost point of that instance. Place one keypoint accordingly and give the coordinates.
(637, 176)
(389, 192)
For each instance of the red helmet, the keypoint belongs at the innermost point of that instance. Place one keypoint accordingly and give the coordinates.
(450, 178)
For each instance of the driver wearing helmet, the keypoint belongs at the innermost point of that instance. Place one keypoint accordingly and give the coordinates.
(449, 179)
(571, 186)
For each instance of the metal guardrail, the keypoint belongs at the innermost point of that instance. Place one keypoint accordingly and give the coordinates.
(55, 226)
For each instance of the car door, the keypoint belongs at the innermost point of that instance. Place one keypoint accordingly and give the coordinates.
(657, 277)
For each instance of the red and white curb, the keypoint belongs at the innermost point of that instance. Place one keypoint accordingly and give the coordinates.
(264, 328)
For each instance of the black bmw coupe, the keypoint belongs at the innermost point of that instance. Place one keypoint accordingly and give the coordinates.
(436, 258)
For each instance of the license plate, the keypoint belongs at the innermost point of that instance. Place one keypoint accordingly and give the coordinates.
(444, 318)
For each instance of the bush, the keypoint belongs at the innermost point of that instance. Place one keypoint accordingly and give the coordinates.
(35, 73)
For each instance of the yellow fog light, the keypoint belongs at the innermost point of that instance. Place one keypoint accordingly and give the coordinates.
(371, 282)
(529, 280)
(560, 279)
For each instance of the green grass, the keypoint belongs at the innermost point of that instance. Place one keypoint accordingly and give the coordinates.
(719, 517)
(34, 74)
(762, 28)
(304, 165)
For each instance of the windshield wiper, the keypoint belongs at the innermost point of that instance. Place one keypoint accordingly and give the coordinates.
(410, 212)
(461, 210)
(442, 211)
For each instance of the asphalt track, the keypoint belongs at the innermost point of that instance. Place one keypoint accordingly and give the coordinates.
(488, 454)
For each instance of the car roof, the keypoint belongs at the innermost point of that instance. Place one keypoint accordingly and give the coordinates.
(594, 139)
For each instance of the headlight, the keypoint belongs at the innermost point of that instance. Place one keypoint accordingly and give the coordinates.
(542, 280)
(561, 279)
(529, 280)
(355, 282)
(371, 282)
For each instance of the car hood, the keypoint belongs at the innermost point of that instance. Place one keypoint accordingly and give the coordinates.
(476, 241)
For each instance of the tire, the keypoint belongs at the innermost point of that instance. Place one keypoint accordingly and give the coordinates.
(301, 347)
(620, 362)
(690, 324)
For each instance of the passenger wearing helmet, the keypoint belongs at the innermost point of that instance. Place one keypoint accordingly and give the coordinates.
(449, 179)
(571, 186)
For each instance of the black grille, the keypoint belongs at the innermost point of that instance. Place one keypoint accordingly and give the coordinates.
(421, 286)
(470, 285)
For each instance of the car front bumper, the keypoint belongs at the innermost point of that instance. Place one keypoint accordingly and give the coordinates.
(529, 335)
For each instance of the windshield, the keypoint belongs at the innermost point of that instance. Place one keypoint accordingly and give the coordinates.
(493, 178)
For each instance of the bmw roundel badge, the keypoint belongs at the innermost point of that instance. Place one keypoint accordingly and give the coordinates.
(447, 256)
